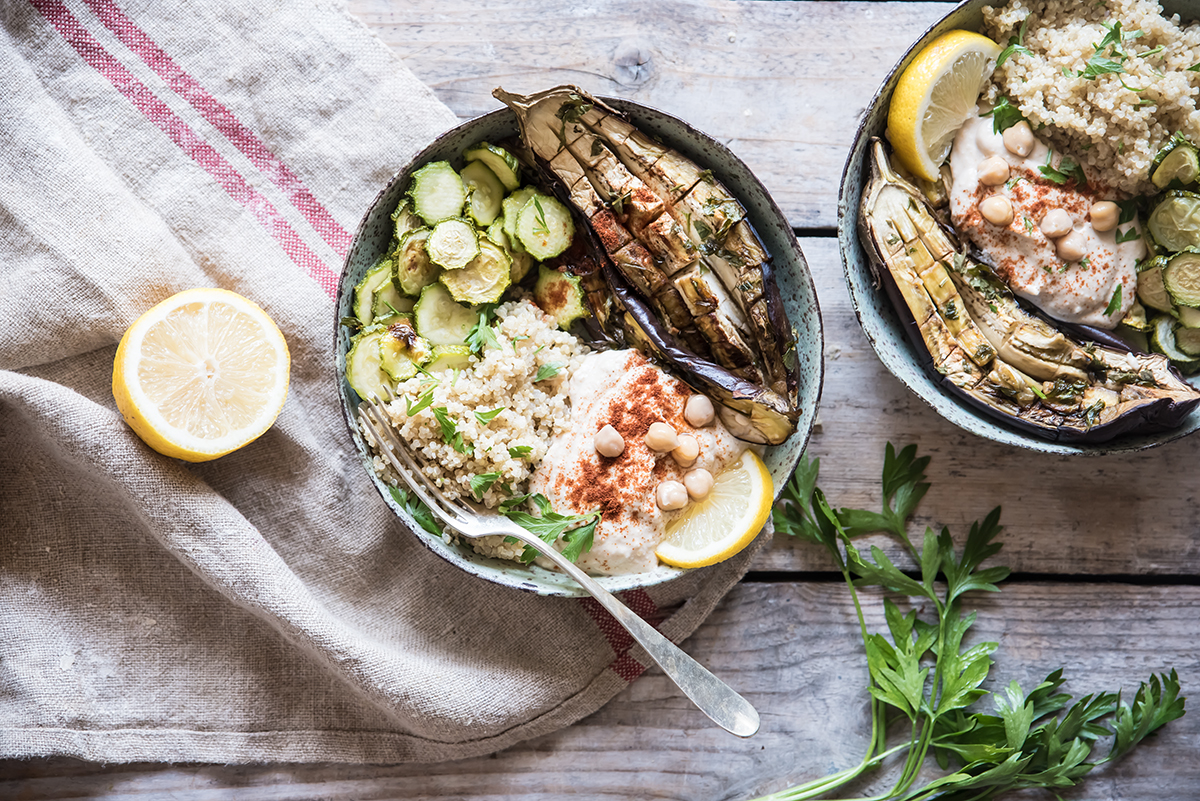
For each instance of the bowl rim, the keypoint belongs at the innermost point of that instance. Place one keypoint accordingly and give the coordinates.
(987, 427)
(662, 573)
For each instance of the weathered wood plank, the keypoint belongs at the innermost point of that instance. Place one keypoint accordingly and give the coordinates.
(793, 649)
(782, 84)
(1063, 515)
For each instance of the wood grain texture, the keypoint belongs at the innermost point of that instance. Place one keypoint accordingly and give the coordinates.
(793, 649)
(1116, 515)
(782, 84)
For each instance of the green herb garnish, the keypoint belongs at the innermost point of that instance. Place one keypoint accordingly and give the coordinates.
(482, 334)
(547, 371)
(921, 672)
(541, 227)
(1115, 302)
(416, 508)
(1004, 115)
(450, 432)
(483, 482)
(520, 450)
(1016, 44)
(549, 525)
(422, 403)
(1067, 169)
(1128, 235)
(487, 417)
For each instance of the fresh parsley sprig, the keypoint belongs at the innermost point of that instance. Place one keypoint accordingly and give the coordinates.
(1016, 44)
(576, 531)
(1004, 115)
(482, 334)
(1067, 169)
(920, 669)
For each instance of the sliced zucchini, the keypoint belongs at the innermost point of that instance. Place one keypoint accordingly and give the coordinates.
(414, 269)
(437, 192)
(495, 232)
(502, 163)
(522, 263)
(1175, 221)
(545, 227)
(441, 320)
(1188, 317)
(1188, 341)
(364, 294)
(1162, 340)
(485, 193)
(453, 243)
(449, 357)
(484, 279)
(512, 210)
(364, 368)
(1135, 318)
(1176, 163)
(1181, 279)
(560, 296)
(1150, 289)
(405, 218)
(388, 300)
(401, 349)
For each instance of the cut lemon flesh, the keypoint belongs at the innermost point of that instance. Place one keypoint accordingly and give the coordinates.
(726, 521)
(935, 95)
(201, 374)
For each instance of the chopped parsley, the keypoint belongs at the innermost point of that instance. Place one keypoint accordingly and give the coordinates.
(549, 526)
(422, 403)
(416, 508)
(482, 483)
(1128, 210)
(1066, 170)
(487, 417)
(1004, 115)
(482, 334)
(520, 450)
(450, 432)
(547, 371)
(1115, 303)
(1128, 235)
(1016, 44)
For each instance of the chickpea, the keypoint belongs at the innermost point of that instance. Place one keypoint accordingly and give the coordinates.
(1019, 139)
(686, 451)
(1104, 215)
(1056, 223)
(671, 495)
(609, 442)
(698, 411)
(662, 438)
(997, 210)
(1072, 247)
(699, 483)
(993, 171)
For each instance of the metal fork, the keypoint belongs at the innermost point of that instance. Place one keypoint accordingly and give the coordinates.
(711, 695)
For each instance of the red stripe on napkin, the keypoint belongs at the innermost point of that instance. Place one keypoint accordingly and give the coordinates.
(224, 121)
(620, 640)
(155, 110)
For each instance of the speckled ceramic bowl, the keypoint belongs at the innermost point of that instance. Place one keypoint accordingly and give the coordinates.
(796, 286)
(879, 320)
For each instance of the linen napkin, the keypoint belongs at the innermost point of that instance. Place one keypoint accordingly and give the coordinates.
(266, 606)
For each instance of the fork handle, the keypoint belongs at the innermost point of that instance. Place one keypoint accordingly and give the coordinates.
(712, 696)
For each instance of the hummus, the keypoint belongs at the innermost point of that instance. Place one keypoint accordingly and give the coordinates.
(622, 389)
(1076, 292)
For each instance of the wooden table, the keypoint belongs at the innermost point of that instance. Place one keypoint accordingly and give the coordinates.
(1105, 551)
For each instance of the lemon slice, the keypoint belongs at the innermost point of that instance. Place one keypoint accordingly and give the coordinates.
(726, 521)
(935, 95)
(201, 374)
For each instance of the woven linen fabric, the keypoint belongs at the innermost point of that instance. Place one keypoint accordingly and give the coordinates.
(266, 606)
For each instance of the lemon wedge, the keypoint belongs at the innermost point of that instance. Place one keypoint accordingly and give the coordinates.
(726, 521)
(201, 374)
(935, 95)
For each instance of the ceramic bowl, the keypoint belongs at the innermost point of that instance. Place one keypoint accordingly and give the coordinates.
(799, 297)
(880, 321)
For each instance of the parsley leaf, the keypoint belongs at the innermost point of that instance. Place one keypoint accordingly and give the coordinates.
(1016, 44)
(482, 334)
(416, 508)
(1128, 235)
(547, 371)
(422, 403)
(549, 525)
(450, 432)
(1115, 302)
(1004, 115)
(482, 482)
(1067, 169)
(520, 450)
(487, 417)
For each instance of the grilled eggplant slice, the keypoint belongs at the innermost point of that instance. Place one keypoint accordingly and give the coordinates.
(683, 275)
(986, 349)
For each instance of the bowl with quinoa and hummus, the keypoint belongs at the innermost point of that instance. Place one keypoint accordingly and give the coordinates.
(1020, 218)
(593, 320)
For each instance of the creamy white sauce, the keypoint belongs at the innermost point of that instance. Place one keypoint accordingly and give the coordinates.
(1077, 292)
(621, 388)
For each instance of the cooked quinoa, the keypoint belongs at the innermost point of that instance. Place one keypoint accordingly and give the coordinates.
(502, 377)
(1105, 123)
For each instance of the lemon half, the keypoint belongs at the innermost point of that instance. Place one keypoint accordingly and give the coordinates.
(726, 521)
(201, 374)
(935, 95)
